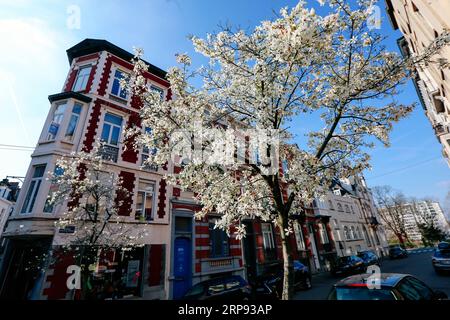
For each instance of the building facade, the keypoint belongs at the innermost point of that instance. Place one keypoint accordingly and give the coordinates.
(91, 107)
(422, 21)
(353, 218)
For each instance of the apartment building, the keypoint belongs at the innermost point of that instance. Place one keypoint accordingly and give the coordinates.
(421, 21)
(91, 107)
(354, 221)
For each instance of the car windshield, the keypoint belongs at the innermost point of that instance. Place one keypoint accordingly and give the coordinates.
(396, 250)
(444, 246)
(361, 293)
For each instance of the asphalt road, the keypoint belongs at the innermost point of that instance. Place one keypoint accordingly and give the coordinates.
(418, 264)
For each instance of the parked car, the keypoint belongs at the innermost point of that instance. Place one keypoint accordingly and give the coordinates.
(270, 284)
(441, 258)
(397, 253)
(369, 258)
(223, 288)
(348, 265)
(393, 286)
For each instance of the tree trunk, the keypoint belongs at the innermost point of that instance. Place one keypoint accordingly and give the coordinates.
(401, 240)
(288, 265)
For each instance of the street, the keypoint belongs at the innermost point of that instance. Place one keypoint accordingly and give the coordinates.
(418, 264)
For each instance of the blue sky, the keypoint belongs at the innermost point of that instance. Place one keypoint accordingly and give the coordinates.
(33, 64)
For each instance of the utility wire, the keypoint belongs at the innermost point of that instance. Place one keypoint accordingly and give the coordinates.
(15, 146)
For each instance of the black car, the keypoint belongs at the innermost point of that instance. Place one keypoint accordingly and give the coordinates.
(390, 286)
(270, 284)
(369, 258)
(397, 253)
(224, 288)
(348, 265)
(441, 258)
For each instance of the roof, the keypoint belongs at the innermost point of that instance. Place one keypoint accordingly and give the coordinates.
(387, 279)
(68, 95)
(88, 46)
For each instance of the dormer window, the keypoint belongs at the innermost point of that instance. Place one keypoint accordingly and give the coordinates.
(116, 89)
(82, 78)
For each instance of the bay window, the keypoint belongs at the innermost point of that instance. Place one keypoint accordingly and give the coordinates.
(33, 188)
(57, 118)
(323, 234)
(145, 200)
(73, 122)
(82, 78)
(49, 206)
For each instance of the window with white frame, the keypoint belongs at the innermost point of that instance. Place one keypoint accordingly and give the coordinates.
(347, 233)
(49, 206)
(145, 200)
(57, 118)
(352, 232)
(347, 208)
(285, 167)
(158, 90)
(268, 240)
(358, 232)
(339, 207)
(111, 129)
(110, 137)
(33, 188)
(116, 89)
(299, 236)
(73, 122)
(146, 152)
(82, 78)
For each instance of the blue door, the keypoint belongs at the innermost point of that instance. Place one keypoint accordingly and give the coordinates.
(182, 267)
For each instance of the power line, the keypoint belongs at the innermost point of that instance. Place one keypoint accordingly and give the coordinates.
(9, 146)
(404, 168)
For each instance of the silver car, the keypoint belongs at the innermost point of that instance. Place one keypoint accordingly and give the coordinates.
(441, 258)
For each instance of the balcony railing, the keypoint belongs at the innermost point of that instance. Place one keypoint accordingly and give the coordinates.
(109, 153)
(147, 166)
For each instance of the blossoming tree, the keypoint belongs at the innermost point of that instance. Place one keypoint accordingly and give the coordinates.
(297, 69)
(90, 219)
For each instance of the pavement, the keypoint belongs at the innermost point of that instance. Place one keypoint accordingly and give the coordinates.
(418, 264)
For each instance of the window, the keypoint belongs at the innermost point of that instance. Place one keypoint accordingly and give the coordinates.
(71, 128)
(110, 137)
(218, 241)
(299, 236)
(330, 204)
(352, 233)
(323, 234)
(48, 207)
(116, 89)
(346, 232)
(421, 288)
(33, 188)
(358, 233)
(158, 90)
(267, 233)
(145, 200)
(58, 116)
(111, 129)
(347, 208)
(339, 207)
(146, 153)
(285, 167)
(82, 78)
